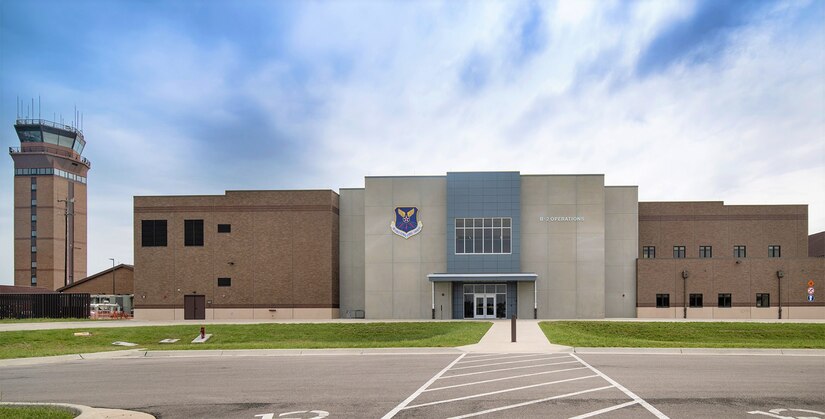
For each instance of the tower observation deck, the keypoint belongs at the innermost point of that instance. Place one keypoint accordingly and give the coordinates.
(50, 179)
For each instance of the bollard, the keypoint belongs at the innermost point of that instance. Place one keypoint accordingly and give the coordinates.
(203, 332)
(513, 328)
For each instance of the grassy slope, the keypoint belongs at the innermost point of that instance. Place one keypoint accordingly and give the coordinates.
(258, 336)
(34, 412)
(686, 335)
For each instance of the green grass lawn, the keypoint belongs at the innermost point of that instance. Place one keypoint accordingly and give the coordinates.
(685, 335)
(34, 412)
(22, 344)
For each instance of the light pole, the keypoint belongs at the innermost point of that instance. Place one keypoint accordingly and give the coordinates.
(779, 275)
(113, 275)
(66, 249)
(685, 275)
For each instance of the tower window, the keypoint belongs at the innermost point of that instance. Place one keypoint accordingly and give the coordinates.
(705, 252)
(153, 233)
(678, 252)
(649, 252)
(774, 251)
(740, 251)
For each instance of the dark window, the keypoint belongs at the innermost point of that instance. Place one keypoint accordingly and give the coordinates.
(678, 252)
(774, 251)
(739, 251)
(662, 300)
(153, 233)
(649, 252)
(224, 282)
(193, 232)
(224, 228)
(724, 301)
(482, 235)
(696, 300)
(763, 300)
(705, 252)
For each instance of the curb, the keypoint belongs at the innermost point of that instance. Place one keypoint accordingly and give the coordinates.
(700, 351)
(88, 412)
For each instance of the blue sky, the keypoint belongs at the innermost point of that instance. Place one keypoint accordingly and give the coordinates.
(707, 100)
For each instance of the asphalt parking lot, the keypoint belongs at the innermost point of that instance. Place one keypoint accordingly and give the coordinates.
(434, 385)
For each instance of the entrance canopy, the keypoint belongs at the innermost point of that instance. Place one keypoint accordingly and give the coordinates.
(477, 278)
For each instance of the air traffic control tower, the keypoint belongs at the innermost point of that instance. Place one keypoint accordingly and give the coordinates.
(49, 204)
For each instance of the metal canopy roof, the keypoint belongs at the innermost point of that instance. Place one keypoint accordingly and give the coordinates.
(486, 277)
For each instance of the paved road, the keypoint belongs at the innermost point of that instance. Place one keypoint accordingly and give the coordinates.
(442, 385)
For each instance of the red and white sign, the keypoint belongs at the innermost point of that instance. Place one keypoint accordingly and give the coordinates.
(811, 291)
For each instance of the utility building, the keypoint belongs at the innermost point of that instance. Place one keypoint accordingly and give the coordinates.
(49, 204)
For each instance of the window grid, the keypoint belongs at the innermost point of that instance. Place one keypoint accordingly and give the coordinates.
(49, 171)
(740, 251)
(678, 252)
(480, 236)
(649, 252)
(705, 252)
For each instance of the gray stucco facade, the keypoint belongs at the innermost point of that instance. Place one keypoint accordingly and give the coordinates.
(564, 244)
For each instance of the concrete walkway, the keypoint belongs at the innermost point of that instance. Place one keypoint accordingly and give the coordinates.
(87, 412)
(529, 338)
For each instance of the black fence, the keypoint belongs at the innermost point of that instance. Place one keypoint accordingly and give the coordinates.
(53, 306)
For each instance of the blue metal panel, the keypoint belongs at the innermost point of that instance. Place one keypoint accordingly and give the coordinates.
(484, 194)
(512, 299)
(458, 300)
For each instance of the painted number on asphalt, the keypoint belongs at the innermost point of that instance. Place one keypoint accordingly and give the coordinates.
(298, 414)
(780, 413)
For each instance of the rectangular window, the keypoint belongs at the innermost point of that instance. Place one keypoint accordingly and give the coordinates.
(763, 300)
(34, 202)
(662, 300)
(678, 252)
(34, 233)
(193, 232)
(34, 217)
(774, 251)
(224, 228)
(34, 265)
(34, 249)
(34, 281)
(34, 186)
(649, 252)
(224, 282)
(475, 236)
(739, 251)
(153, 233)
(724, 301)
(695, 300)
(705, 252)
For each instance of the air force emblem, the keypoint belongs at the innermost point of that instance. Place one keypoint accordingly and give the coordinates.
(406, 222)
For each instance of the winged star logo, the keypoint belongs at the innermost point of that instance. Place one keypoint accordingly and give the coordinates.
(406, 222)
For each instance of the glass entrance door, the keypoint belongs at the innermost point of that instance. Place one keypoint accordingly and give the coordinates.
(485, 306)
(485, 301)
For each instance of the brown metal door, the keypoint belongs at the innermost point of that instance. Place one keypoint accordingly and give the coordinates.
(194, 307)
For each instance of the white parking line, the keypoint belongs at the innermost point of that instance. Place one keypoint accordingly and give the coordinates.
(496, 359)
(513, 406)
(508, 362)
(412, 397)
(605, 410)
(444, 377)
(478, 356)
(504, 378)
(632, 395)
(498, 392)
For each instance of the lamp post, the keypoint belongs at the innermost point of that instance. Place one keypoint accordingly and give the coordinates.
(779, 275)
(67, 201)
(113, 275)
(685, 275)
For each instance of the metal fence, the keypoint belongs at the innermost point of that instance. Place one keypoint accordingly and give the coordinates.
(50, 305)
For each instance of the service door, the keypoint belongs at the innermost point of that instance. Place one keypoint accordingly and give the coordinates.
(194, 307)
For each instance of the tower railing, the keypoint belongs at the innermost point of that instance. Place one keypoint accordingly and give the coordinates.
(48, 123)
(50, 150)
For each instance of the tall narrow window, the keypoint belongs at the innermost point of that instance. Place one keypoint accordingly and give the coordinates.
(153, 233)
(774, 251)
(678, 252)
(740, 251)
(649, 252)
(193, 232)
(705, 252)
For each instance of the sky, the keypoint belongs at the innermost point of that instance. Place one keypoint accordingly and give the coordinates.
(708, 100)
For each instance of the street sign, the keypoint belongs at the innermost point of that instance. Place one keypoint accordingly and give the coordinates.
(811, 291)
(811, 283)
(811, 298)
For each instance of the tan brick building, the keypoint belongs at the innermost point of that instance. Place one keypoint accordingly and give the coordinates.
(710, 260)
(118, 280)
(245, 254)
(49, 204)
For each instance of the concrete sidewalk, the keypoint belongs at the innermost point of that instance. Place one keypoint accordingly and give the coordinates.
(529, 338)
(88, 412)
